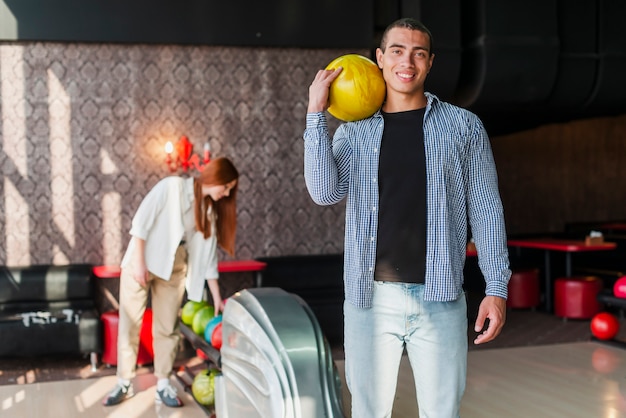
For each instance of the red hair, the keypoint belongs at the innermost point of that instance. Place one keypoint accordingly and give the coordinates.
(220, 171)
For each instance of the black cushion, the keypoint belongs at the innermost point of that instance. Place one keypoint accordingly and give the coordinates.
(45, 283)
(37, 333)
(46, 309)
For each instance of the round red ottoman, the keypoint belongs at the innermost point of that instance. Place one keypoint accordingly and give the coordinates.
(576, 297)
(110, 321)
(523, 289)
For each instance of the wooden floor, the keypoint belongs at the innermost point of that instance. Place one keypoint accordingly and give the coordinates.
(573, 380)
(83, 398)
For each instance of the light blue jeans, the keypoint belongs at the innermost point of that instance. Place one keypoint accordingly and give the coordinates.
(435, 337)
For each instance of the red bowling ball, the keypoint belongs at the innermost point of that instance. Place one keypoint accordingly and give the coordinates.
(619, 288)
(216, 338)
(604, 326)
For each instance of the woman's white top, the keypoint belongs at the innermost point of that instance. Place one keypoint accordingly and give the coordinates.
(164, 218)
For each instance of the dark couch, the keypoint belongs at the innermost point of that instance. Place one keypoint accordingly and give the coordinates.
(318, 279)
(47, 309)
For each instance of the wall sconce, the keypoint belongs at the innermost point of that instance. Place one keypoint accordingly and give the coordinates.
(183, 158)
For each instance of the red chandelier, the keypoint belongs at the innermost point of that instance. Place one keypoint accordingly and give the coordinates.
(179, 155)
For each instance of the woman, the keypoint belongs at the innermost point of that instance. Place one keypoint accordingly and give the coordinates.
(173, 248)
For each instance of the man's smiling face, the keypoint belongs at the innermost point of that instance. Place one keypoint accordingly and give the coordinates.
(405, 61)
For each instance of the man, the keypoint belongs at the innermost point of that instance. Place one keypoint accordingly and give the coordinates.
(413, 175)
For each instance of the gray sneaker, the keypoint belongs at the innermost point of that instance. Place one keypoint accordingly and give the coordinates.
(168, 397)
(118, 394)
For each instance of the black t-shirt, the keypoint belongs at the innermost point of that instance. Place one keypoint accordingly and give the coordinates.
(401, 246)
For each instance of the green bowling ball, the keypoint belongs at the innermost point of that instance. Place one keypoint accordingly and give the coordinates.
(201, 318)
(189, 310)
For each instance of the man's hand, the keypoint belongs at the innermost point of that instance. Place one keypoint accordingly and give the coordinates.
(494, 309)
(319, 89)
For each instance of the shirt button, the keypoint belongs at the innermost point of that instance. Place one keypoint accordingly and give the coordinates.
(374, 179)
(371, 268)
(375, 150)
(372, 238)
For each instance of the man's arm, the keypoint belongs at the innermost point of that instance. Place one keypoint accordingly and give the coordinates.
(486, 216)
(321, 174)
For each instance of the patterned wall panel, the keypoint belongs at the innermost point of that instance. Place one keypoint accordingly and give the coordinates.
(83, 129)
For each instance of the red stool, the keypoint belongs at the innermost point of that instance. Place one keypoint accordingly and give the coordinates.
(523, 289)
(110, 321)
(576, 297)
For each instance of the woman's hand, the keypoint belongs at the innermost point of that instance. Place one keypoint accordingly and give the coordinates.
(219, 307)
(214, 288)
(140, 271)
(140, 274)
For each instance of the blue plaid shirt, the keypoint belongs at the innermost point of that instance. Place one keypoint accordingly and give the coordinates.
(462, 185)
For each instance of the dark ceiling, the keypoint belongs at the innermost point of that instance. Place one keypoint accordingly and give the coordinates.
(516, 63)
(520, 64)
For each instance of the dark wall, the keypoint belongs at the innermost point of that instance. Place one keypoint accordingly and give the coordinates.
(562, 173)
(283, 23)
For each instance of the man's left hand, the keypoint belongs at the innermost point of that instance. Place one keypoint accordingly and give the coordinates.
(494, 309)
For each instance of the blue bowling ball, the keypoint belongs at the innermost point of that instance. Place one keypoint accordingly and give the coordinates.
(210, 326)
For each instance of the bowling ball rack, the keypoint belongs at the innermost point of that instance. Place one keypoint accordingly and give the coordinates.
(206, 352)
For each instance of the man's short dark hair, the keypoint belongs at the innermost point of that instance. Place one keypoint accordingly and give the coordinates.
(407, 23)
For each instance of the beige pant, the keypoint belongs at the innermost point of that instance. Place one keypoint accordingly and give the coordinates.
(167, 296)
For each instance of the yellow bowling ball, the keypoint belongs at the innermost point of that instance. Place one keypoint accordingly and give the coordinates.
(359, 90)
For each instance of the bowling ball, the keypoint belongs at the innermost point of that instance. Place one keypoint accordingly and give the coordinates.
(216, 338)
(210, 326)
(619, 288)
(203, 387)
(604, 326)
(189, 310)
(201, 318)
(359, 90)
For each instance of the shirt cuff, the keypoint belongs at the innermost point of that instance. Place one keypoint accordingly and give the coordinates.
(136, 231)
(316, 120)
(497, 288)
